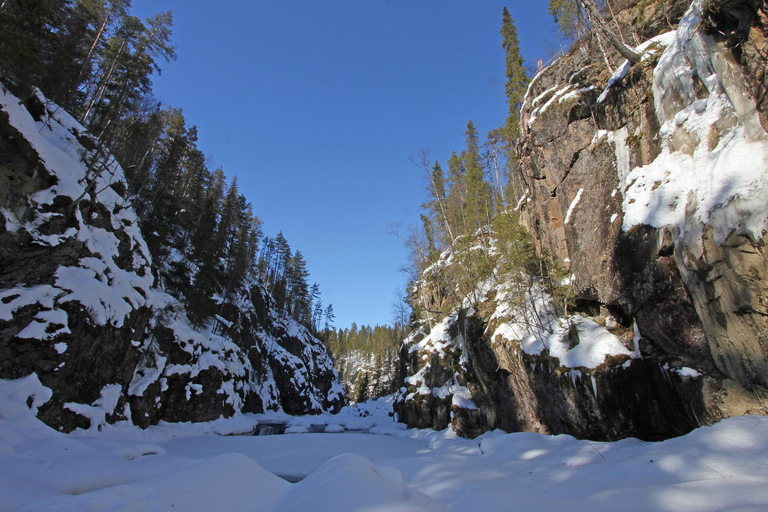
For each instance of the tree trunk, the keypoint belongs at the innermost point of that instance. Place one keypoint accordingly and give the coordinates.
(596, 19)
(87, 60)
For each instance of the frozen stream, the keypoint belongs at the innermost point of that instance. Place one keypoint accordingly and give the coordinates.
(193, 467)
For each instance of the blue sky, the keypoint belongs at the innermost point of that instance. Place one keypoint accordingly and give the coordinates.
(317, 106)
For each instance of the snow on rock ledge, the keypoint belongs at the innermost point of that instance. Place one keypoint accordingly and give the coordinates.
(80, 310)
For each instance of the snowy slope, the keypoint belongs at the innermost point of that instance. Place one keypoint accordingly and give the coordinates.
(80, 308)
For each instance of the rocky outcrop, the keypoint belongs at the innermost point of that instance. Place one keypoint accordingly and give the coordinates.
(588, 375)
(667, 228)
(650, 186)
(79, 305)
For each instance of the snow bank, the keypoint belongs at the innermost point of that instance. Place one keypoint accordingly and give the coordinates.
(350, 482)
(177, 467)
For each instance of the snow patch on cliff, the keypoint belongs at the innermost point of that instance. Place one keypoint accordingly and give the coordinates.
(648, 48)
(714, 152)
(108, 291)
(595, 344)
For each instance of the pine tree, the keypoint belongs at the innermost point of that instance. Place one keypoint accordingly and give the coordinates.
(438, 205)
(496, 146)
(132, 56)
(330, 317)
(230, 209)
(97, 18)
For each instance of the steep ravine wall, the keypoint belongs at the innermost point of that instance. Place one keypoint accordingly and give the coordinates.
(81, 312)
(669, 227)
(652, 191)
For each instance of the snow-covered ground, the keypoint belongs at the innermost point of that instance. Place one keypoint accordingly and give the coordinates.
(188, 467)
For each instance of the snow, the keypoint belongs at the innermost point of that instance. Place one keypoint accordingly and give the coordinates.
(648, 48)
(438, 339)
(542, 330)
(109, 293)
(619, 140)
(522, 199)
(688, 372)
(103, 406)
(572, 206)
(560, 95)
(711, 169)
(188, 467)
(462, 397)
(526, 324)
(16, 298)
(595, 343)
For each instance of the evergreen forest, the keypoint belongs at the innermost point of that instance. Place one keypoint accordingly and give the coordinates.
(96, 60)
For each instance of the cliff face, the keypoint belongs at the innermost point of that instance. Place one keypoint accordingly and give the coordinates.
(80, 308)
(650, 186)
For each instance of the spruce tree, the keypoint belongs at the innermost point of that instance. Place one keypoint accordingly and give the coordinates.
(515, 89)
(478, 197)
(456, 193)
(517, 79)
(429, 233)
(28, 33)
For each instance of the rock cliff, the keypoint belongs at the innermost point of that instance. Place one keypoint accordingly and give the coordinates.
(650, 185)
(79, 305)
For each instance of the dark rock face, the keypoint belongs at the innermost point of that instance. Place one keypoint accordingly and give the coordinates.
(79, 306)
(516, 391)
(742, 26)
(686, 297)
